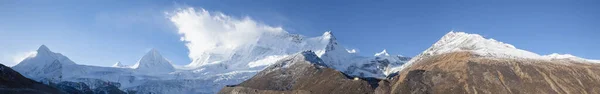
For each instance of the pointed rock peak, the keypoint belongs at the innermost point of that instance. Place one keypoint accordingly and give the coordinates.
(382, 53)
(43, 48)
(329, 36)
(328, 33)
(330, 40)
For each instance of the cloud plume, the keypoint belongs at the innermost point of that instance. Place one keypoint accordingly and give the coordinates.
(215, 32)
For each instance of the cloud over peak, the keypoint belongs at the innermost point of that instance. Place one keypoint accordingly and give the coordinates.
(215, 32)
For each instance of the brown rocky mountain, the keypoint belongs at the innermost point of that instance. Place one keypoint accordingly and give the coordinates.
(465, 72)
(303, 73)
(12, 82)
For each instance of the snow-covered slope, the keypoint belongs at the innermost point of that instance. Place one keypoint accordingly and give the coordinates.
(44, 64)
(153, 63)
(273, 46)
(556, 56)
(461, 41)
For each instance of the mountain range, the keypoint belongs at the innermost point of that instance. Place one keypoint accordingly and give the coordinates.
(279, 62)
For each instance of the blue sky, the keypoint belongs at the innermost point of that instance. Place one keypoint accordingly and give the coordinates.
(107, 31)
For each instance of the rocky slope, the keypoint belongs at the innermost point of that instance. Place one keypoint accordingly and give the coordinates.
(465, 72)
(300, 73)
(12, 82)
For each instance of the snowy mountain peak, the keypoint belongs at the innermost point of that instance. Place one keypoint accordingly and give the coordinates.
(331, 42)
(328, 34)
(153, 62)
(44, 64)
(382, 53)
(43, 48)
(461, 41)
(118, 64)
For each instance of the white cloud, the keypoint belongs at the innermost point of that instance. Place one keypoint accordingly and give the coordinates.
(20, 57)
(207, 32)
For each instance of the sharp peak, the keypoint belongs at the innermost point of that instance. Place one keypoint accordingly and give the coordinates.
(43, 48)
(382, 53)
(153, 51)
(118, 64)
(329, 35)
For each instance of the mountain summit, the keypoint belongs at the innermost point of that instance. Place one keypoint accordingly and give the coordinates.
(461, 41)
(480, 46)
(44, 64)
(153, 62)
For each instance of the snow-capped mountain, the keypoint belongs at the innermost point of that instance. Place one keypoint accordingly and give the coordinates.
(273, 46)
(44, 64)
(153, 63)
(154, 73)
(477, 44)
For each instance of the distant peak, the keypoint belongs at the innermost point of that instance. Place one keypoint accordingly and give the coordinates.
(154, 53)
(43, 48)
(382, 53)
(118, 64)
(331, 41)
(327, 33)
(153, 62)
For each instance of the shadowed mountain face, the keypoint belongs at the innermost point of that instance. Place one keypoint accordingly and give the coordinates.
(301, 73)
(12, 82)
(464, 72)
